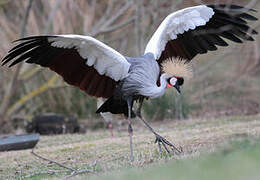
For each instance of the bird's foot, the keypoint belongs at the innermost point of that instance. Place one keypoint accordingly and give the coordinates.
(169, 147)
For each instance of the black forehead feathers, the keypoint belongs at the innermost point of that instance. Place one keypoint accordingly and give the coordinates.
(168, 80)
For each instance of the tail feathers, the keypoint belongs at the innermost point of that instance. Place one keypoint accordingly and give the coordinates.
(115, 106)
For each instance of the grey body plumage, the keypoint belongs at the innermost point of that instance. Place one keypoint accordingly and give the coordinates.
(141, 81)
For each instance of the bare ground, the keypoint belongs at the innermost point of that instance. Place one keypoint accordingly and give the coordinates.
(110, 154)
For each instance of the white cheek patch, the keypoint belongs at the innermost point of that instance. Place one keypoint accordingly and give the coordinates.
(173, 81)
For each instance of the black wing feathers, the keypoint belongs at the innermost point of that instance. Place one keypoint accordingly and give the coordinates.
(229, 22)
(65, 61)
(30, 49)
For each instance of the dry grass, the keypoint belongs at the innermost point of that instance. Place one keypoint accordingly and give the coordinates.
(80, 151)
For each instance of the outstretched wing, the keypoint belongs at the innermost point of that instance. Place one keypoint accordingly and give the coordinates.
(200, 29)
(82, 61)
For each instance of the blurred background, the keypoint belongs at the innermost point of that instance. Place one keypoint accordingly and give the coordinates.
(225, 82)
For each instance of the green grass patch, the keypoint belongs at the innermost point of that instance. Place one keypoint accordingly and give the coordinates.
(240, 161)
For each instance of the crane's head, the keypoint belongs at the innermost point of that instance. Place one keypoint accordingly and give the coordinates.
(177, 70)
(176, 82)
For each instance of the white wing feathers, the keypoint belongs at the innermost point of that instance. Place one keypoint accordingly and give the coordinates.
(103, 58)
(177, 23)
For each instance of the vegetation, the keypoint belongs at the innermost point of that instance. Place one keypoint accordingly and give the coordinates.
(199, 138)
(169, 106)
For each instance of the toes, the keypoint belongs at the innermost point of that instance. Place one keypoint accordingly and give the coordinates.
(165, 147)
(160, 140)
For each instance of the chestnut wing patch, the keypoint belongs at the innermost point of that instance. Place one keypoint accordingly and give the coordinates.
(75, 72)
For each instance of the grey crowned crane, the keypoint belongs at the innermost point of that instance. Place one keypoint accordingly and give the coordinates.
(101, 71)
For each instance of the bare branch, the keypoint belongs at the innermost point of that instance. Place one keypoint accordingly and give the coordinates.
(74, 172)
(51, 172)
(25, 20)
(110, 21)
(54, 162)
(117, 26)
(138, 31)
(118, 14)
(104, 17)
(13, 84)
(51, 16)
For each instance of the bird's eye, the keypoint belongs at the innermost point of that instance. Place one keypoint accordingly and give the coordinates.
(173, 81)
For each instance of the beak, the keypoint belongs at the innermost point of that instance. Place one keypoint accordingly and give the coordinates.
(178, 88)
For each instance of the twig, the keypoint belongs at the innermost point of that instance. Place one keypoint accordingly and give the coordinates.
(51, 172)
(78, 173)
(74, 172)
(57, 163)
(82, 171)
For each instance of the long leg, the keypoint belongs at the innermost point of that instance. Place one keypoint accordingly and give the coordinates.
(159, 139)
(111, 129)
(130, 129)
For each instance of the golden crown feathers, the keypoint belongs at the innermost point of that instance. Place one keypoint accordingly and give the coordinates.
(178, 68)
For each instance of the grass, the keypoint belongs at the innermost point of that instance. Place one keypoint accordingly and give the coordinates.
(238, 161)
(198, 138)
